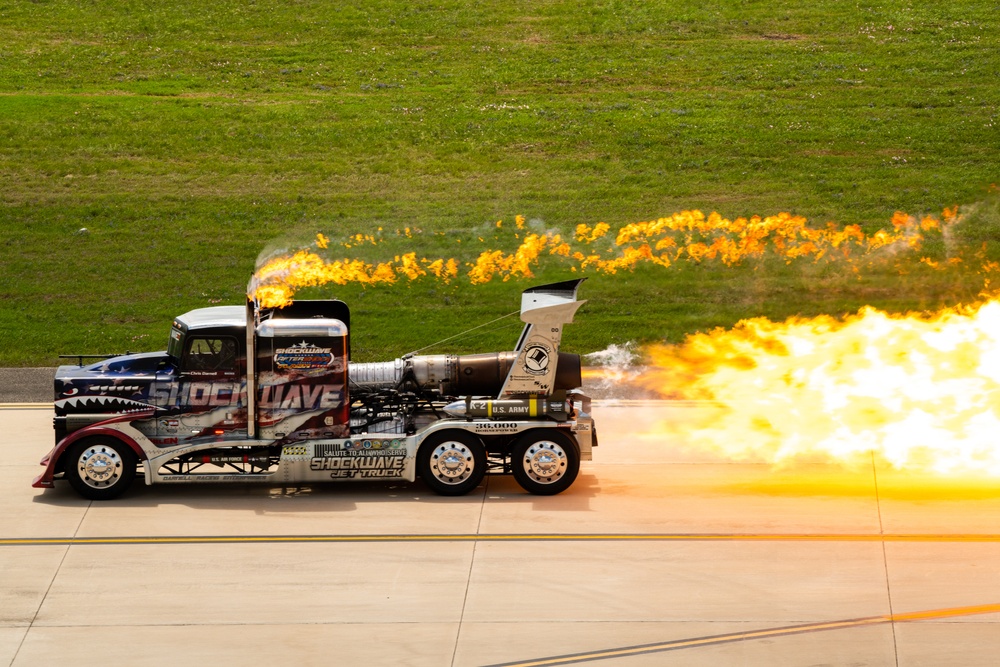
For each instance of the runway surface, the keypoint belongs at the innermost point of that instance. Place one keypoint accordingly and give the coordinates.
(660, 554)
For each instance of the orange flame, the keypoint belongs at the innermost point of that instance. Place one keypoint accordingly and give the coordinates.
(920, 391)
(686, 236)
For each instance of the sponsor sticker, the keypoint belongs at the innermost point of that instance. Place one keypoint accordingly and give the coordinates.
(303, 357)
(368, 444)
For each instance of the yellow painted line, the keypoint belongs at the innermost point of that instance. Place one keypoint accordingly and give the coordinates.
(25, 406)
(501, 537)
(934, 614)
(754, 634)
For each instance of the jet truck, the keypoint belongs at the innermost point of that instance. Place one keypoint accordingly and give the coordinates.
(251, 393)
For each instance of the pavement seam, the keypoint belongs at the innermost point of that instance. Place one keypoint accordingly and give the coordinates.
(48, 588)
(472, 566)
(885, 561)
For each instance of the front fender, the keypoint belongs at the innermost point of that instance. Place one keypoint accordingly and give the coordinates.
(53, 459)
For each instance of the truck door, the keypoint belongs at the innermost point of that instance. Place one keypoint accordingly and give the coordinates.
(212, 391)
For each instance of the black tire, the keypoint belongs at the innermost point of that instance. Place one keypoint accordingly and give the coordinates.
(545, 462)
(452, 463)
(100, 468)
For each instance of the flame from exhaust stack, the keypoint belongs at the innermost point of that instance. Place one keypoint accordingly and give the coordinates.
(684, 237)
(920, 391)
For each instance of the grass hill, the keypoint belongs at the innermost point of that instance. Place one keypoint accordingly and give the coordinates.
(150, 152)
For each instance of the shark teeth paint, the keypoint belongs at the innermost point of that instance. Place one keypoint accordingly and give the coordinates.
(108, 404)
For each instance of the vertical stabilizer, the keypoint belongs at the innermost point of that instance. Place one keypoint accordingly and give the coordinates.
(544, 309)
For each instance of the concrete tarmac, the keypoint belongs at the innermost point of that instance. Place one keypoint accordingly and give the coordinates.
(659, 555)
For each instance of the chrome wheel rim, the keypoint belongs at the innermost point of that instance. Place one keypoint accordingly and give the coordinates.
(545, 462)
(452, 462)
(100, 467)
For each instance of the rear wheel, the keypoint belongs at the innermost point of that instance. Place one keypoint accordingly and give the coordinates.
(452, 463)
(100, 468)
(545, 462)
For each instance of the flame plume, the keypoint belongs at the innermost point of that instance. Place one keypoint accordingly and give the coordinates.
(684, 237)
(920, 391)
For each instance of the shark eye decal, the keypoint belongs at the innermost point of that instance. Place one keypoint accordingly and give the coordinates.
(72, 391)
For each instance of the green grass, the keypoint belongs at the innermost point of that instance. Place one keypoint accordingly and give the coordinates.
(188, 137)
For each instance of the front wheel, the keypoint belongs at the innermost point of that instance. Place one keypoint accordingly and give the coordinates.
(100, 468)
(452, 463)
(545, 462)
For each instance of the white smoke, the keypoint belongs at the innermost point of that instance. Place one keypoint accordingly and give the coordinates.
(613, 371)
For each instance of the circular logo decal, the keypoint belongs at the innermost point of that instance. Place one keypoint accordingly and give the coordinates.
(536, 359)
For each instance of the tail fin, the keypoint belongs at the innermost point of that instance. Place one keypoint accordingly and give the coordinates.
(545, 309)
